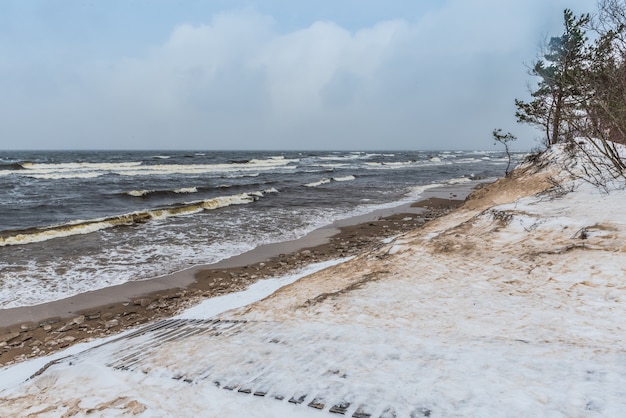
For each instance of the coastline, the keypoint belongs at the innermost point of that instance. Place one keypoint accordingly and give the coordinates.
(32, 331)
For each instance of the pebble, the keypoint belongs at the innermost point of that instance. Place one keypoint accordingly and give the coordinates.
(9, 337)
(112, 323)
(143, 302)
(66, 327)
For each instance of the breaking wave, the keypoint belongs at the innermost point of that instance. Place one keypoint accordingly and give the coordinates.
(344, 178)
(88, 226)
(317, 183)
(327, 180)
(13, 166)
(351, 156)
(138, 168)
(143, 193)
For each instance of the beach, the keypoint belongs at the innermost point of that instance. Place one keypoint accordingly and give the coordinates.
(39, 330)
(508, 305)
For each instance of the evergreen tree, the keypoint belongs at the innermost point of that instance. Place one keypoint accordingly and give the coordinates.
(604, 80)
(555, 104)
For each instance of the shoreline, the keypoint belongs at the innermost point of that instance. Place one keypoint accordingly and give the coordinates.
(32, 331)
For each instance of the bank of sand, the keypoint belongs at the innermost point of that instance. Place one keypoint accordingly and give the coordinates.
(33, 331)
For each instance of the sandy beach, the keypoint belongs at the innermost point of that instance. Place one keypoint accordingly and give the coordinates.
(33, 331)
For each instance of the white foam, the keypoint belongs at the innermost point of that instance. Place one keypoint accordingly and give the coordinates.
(327, 180)
(47, 234)
(317, 183)
(186, 190)
(418, 190)
(459, 180)
(389, 165)
(345, 178)
(351, 156)
(133, 168)
(333, 166)
(139, 193)
(61, 176)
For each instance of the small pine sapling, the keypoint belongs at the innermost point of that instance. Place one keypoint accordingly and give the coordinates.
(504, 139)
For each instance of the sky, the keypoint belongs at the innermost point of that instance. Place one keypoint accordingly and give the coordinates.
(269, 75)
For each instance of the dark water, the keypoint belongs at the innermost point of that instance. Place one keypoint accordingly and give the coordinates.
(77, 221)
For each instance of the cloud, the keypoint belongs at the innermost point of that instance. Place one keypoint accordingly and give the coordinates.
(238, 82)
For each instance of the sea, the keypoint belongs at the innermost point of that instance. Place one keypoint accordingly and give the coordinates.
(75, 221)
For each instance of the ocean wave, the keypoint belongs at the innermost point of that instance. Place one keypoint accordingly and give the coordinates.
(62, 176)
(60, 171)
(351, 156)
(332, 166)
(418, 190)
(139, 193)
(137, 168)
(81, 166)
(317, 183)
(264, 192)
(13, 166)
(186, 190)
(389, 165)
(82, 227)
(344, 178)
(169, 169)
(238, 176)
(328, 180)
(459, 180)
(143, 193)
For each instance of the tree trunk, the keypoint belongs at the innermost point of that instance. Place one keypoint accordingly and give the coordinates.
(556, 124)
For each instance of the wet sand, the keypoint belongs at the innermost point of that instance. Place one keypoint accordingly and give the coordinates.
(32, 331)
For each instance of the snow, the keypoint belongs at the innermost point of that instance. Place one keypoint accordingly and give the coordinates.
(510, 306)
(14, 375)
(257, 291)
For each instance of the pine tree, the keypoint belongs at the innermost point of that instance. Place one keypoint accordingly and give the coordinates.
(555, 103)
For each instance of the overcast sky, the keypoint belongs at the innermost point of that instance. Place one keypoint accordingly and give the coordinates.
(272, 74)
